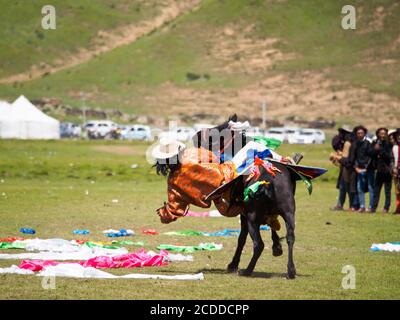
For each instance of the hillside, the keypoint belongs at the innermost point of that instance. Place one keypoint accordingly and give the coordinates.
(211, 58)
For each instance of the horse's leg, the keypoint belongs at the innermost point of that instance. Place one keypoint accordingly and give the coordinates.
(258, 247)
(244, 230)
(276, 244)
(289, 220)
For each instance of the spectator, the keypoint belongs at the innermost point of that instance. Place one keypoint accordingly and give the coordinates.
(382, 157)
(364, 168)
(341, 143)
(395, 164)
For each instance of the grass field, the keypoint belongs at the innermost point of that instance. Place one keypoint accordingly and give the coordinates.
(44, 185)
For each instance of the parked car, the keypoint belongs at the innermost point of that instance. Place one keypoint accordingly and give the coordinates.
(276, 133)
(136, 132)
(309, 136)
(290, 133)
(102, 129)
(70, 130)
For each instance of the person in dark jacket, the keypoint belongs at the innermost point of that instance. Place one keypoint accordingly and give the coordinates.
(363, 166)
(382, 156)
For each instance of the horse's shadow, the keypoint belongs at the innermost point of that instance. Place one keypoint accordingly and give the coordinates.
(255, 274)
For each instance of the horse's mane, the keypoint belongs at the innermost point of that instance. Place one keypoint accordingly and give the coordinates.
(203, 138)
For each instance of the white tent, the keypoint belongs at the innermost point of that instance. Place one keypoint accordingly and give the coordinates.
(7, 125)
(22, 120)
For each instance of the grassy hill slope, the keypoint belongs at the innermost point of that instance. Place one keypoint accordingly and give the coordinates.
(230, 55)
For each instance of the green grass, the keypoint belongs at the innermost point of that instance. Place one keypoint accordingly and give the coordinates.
(24, 43)
(123, 77)
(55, 203)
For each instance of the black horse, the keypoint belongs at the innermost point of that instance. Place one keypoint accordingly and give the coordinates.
(273, 199)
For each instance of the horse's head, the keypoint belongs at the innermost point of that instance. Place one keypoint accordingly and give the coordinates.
(221, 139)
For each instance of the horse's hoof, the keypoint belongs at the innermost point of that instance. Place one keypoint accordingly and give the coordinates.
(291, 274)
(245, 273)
(277, 251)
(231, 269)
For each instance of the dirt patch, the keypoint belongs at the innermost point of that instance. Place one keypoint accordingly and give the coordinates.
(306, 95)
(108, 40)
(237, 50)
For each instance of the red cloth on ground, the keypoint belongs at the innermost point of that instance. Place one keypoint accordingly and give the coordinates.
(36, 265)
(149, 231)
(136, 259)
(11, 239)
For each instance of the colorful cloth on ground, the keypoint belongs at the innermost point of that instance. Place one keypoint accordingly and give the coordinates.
(74, 270)
(190, 249)
(212, 213)
(81, 232)
(141, 258)
(151, 232)
(27, 230)
(118, 233)
(60, 249)
(11, 245)
(222, 233)
(128, 243)
(388, 246)
(11, 239)
(184, 233)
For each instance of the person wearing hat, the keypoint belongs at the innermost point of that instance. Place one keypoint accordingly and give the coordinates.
(193, 173)
(395, 165)
(382, 157)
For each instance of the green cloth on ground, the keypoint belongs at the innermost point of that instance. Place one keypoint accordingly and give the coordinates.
(12, 245)
(270, 143)
(115, 244)
(184, 233)
(92, 244)
(190, 249)
(128, 243)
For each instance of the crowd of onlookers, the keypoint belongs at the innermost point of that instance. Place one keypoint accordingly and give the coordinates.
(367, 167)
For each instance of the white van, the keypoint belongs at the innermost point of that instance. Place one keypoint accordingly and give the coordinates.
(99, 129)
(309, 136)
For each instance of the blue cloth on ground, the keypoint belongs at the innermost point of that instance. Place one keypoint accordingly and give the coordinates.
(27, 230)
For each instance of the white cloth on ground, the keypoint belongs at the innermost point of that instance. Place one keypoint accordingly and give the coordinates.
(74, 270)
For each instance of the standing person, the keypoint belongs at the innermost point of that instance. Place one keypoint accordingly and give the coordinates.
(382, 157)
(364, 168)
(349, 173)
(395, 164)
(341, 146)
